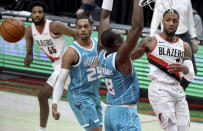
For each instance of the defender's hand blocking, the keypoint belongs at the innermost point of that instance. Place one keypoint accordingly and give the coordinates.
(28, 60)
(55, 113)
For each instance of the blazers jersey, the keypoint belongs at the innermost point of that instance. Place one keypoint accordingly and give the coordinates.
(163, 54)
(85, 77)
(52, 45)
(122, 88)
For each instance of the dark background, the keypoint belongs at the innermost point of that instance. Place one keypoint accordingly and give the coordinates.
(122, 9)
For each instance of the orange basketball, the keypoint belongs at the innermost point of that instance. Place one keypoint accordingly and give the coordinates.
(12, 29)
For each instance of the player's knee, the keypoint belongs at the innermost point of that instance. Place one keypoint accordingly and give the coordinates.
(183, 123)
(45, 93)
(42, 96)
(167, 119)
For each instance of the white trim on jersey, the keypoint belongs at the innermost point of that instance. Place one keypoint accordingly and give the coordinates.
(91, 49)
(113, 60)
(79, 61)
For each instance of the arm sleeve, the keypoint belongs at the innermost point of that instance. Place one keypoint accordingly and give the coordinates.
(107, 5)
(60, 83)
(191, 74)
(191, 21)
(156, 20)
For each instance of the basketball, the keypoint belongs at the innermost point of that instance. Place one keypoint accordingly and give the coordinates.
(12, 29)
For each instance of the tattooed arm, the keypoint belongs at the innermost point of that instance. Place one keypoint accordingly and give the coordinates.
(145, 45)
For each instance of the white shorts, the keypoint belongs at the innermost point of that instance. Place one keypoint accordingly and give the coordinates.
(52, 79)
(169, 103)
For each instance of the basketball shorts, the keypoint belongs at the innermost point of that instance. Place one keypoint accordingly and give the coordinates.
(87, 109)
(169, 103)
(119, 118)
(52, 79)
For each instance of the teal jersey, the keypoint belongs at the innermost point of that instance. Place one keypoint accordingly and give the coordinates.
(122, 88)
(85, 77)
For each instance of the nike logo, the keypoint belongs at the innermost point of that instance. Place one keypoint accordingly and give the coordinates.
(78, 106)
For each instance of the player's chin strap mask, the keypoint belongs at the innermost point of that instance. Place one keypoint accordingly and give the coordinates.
(161, 5)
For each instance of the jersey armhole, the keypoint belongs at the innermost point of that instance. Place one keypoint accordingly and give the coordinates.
(114, 61)
(154, 45)
(31, 31)
(79, 57)
(51, 34)
(184, 45)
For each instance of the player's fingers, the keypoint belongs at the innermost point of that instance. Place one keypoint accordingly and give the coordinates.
(56, 115)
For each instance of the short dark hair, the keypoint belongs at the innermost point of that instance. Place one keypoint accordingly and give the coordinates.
(83, 17)
(38, 3)
(108, 37)
(171, 11)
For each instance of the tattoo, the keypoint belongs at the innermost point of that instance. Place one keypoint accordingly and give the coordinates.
(147, 43)
(188, 52)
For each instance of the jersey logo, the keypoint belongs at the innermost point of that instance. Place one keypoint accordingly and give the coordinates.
(164, 51)
(45, 42)
(78, 106)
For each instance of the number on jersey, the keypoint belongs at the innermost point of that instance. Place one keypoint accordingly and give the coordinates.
(51, 50)
(91, 76)
(109, 85)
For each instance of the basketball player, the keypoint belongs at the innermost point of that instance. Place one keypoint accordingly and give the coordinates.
(49, 36)
(120, 75)
(169, 59)
(77, 62)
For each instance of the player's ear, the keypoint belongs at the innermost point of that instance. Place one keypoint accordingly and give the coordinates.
(116, 43)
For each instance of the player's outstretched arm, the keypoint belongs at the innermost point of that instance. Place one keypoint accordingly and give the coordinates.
(70, 57)
(104, 20)
(29, 47)
(123, 59)
(59, 28)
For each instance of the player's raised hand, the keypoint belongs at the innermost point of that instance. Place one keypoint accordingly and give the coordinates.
(28, 60)
(55, 113)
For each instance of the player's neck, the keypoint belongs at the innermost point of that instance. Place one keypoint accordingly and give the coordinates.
(85, 43)
(171, 38)
(40, 27)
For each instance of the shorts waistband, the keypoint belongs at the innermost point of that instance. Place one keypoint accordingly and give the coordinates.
(158, 82)
(126, 105)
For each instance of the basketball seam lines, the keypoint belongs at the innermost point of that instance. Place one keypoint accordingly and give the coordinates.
(16, 27)
(13, 37)
(9, 33)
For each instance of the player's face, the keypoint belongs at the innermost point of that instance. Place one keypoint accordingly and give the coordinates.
(37, 15)
(84, 29)
(170, 23)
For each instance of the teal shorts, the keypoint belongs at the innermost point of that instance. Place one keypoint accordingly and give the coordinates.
(121, 119)
(87, 109)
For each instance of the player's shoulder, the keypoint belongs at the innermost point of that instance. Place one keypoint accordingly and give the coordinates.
(71, 51)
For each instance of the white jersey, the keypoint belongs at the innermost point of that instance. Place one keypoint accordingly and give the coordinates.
(53, 46)
(163, 54)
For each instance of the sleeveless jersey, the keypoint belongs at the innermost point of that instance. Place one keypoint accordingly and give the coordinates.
(52, 45)
(122, 88)
(85, 77)
(163, 54)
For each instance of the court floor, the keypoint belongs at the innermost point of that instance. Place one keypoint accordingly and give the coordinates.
(21, 113)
